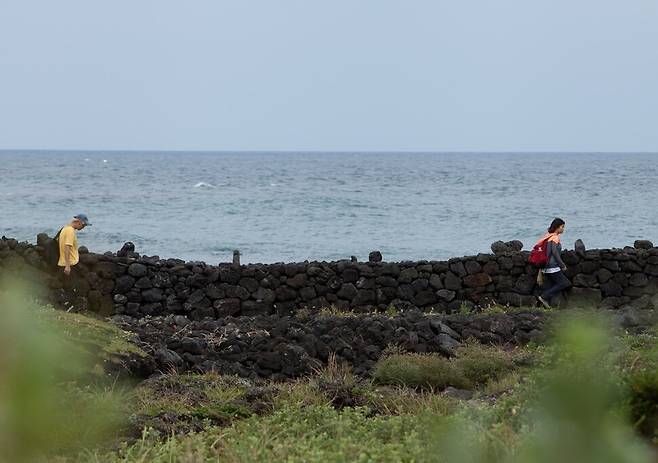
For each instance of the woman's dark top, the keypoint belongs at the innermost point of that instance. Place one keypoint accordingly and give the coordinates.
(554, 251)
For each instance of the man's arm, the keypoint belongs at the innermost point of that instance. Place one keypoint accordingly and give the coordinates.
(68, 257)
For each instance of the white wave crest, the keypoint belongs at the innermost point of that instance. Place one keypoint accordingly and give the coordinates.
(204, 185)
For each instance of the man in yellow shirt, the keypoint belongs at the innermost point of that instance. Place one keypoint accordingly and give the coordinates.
(68, 242)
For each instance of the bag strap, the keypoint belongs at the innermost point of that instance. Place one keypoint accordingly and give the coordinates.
(56, 238)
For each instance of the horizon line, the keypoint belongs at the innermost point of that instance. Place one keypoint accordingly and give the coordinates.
(315, 151)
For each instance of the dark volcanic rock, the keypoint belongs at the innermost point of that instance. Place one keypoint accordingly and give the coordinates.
(152, 295)
(499, 247)
(514, 245)
(137, 270)
(446, 294)
(375, 256)
(452, 281)
(477, 280)
(424, 298)
(280, 347)
(347, 291)
(643, 244)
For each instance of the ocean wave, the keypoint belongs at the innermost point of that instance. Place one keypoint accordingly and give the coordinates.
(204, 185)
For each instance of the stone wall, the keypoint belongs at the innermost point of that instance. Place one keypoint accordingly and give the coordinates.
(141, 285)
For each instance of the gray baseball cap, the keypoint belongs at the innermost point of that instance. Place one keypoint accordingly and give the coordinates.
(83, 218)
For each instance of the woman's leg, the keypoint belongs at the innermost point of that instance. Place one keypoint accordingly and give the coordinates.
(548, 284)
(559, 281)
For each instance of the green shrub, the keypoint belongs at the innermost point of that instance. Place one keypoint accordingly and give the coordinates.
(481, 364)
(643, 402)
(419, 370)
(47, 402)
(473, 365)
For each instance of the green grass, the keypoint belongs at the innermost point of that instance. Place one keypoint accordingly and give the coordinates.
(104, 345)
(588, 396)
(473, 365)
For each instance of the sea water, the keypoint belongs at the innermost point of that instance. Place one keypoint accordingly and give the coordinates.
(295, 206)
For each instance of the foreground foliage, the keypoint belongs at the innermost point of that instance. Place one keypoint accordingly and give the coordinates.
(587, 397)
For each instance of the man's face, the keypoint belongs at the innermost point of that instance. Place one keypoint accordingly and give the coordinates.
(78, 225)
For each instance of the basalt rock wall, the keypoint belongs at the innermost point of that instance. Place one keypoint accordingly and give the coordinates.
(107, 284)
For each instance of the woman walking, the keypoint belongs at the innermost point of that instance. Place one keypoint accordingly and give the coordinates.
(554, 278)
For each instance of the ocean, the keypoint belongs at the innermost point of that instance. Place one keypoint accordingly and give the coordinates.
(296, 206)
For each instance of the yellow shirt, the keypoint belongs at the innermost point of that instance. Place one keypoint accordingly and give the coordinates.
(67, 237)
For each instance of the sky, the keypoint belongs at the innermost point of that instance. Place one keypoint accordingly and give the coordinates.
(339, 75)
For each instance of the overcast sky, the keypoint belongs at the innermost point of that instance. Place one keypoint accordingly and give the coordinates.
(467, 75)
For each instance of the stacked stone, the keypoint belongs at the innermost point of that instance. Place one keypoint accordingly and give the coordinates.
(139, 286)
(615, 278)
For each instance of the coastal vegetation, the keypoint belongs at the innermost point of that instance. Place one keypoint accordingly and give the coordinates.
(587, 394)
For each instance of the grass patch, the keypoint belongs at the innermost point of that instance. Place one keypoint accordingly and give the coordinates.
(473, 365)
(173, 403)
(317, 433)
(103, 346)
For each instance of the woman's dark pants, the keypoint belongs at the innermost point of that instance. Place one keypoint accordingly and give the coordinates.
(553, 284)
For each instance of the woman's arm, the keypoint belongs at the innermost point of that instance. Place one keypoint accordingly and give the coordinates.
(553, 251)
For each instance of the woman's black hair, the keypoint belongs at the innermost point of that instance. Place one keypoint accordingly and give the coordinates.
(555, 224)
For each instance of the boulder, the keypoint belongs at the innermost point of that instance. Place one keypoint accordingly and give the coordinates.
(168, 359)
(472, 267)
(144, 283)
(364, 297)
(642, 244)
(525, 284)
(202, 313)
(296, 282)
(307, 293)
(375, 256)
(424, 298)
(514, 245)
(127, 250)
(435, 281)
(477, 280)
(584, 280)
(408, 275)
(638, 279)
(457, 267)
(252, 308)
(152, 295)
(420, 284)
(227, 307)
(452, 282)
(192, 345)
(388, 281)
(604, 275)
(447, 344)
(137, 270)
(611, 289)
(350, 275)
(446, 294)
(499, 247)
(347, 291)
